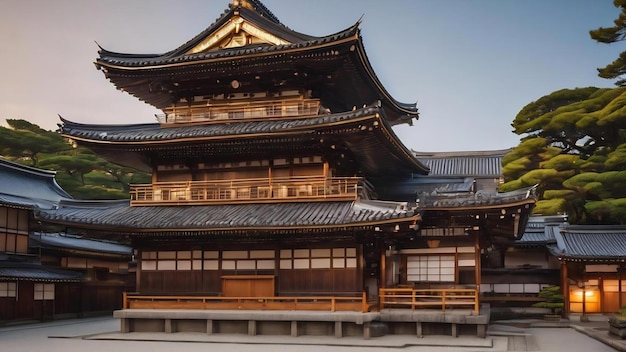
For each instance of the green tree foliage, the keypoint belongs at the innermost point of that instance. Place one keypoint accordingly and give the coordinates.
(25, 142)
(80, 172)
(609, 35)
(553, 299)
(574, 149)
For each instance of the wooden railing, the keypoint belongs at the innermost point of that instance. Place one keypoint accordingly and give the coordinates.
(239, 111)
(318, 303)
(428, 298)
(247, 190)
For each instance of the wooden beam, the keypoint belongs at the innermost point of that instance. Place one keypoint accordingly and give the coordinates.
(565, 288)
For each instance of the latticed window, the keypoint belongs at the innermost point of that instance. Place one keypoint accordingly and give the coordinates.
(431, 268)
(8, 289)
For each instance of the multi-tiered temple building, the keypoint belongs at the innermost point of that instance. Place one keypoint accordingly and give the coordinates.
(276, 175)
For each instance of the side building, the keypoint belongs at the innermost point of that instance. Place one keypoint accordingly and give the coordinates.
(39, 274)
(513, 272)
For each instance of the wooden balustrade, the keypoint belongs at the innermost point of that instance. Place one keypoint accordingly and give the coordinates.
(428, 298)
(246, 190)
(318, 303)
(242, 110)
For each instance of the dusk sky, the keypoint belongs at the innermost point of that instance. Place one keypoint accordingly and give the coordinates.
(471, 65)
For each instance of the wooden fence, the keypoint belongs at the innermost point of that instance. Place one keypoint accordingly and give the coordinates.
(319, 303)
(428, 298)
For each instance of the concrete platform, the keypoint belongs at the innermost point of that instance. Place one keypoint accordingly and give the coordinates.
(297, 323)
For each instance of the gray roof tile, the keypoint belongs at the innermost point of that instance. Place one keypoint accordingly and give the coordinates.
(225, 216)
(591, 242)
(155, 132)
(36, 272)
(464, 164)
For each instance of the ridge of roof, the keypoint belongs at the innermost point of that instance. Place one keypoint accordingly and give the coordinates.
(27, 169)
(462, 154)
(257, 6)
(593, 229)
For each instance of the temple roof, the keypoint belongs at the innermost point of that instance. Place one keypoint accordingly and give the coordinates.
(590, 243)
(362, 132)
(502, 215)
(334, 67)
(28, 187)
(227, 217)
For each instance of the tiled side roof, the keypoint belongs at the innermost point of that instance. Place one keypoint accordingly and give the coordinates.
(460, 185)
(36, 272)
(542, 230)
(225, 216)
(538, 237)
(27, 186)
(469, 164)
(591, 242)
(66, 241)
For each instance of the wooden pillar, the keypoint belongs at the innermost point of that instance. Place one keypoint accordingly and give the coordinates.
(583, 317)
(565, 288)
(620, 269)
(383, 274)
(138, 259)
(478, 268)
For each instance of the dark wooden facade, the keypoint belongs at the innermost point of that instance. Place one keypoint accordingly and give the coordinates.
(45, 275)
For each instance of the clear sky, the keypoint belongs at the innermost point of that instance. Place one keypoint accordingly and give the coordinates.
(471, 65)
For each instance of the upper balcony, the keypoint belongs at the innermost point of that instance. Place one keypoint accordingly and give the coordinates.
(287, 189)
(239, 110)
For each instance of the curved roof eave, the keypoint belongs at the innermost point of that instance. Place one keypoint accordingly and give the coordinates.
(410, 109)
(153, 133)
(30, 183)
(177, 57)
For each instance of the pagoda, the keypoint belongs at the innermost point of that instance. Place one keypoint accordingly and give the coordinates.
(275, 174)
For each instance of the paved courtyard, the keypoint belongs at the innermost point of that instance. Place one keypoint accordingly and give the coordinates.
(102, 334)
